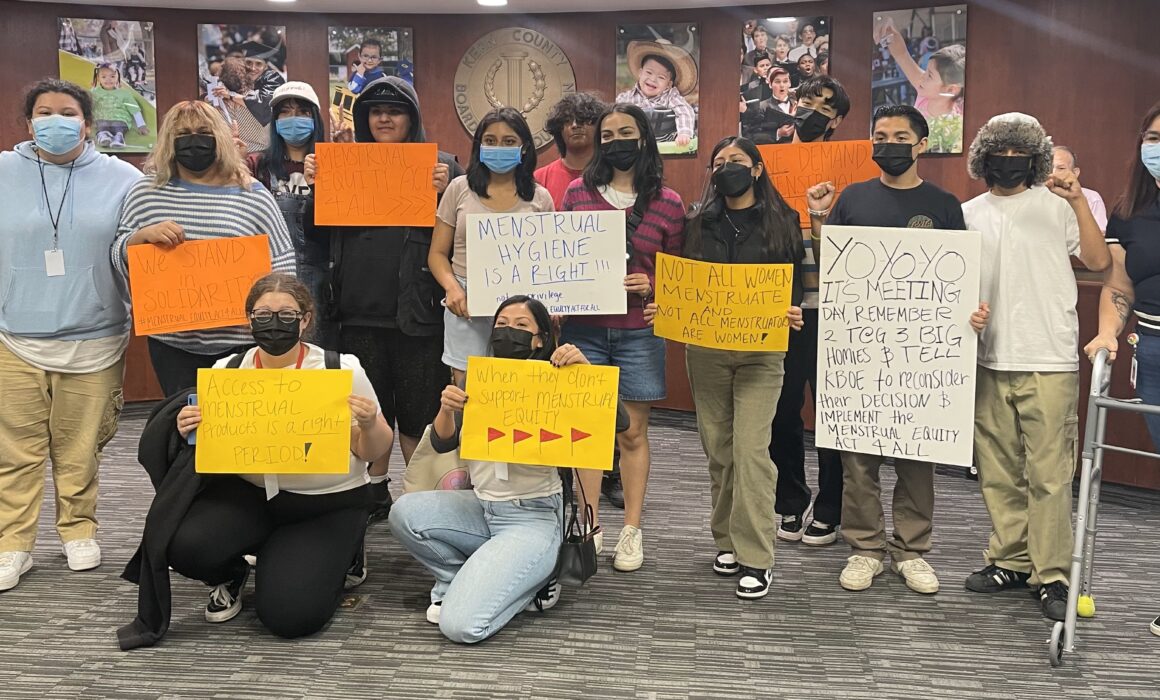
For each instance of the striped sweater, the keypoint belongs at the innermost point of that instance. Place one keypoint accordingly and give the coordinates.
(205, 212)
(662, 230)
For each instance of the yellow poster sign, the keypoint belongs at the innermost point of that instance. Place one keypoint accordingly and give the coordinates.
(274, 421)
(529, 412)
(727, 307)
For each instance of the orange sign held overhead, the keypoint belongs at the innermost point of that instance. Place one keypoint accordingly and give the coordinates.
(375, 184)
(198, 284)
(796, 167)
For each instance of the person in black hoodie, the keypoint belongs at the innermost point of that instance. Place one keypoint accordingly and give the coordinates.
(382, 294)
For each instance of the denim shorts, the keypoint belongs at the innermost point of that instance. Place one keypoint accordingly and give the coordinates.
(465, 337)
(638, 353)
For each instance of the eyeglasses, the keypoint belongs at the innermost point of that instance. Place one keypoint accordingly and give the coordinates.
(284, 315)
(365, 57)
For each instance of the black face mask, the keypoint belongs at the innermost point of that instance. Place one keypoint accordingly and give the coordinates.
(621, 154)
(894, 158)
(1008, 172)
(276, 337)
(811, 124)
(195, 152)
(733, 179)
(511, 343)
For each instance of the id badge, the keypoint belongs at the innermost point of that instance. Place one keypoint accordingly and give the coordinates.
(54, 263)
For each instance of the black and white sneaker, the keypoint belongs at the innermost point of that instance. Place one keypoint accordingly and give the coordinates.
(726, 564)
(381, 501)
(1155, 627)
(545, 598)
(993, 579)
(1053, 600)
(820, 534)
(225, 600)
(790, 529)
(357, 573)
(754, 583)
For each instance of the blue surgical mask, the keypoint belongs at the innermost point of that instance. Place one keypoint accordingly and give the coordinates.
(1150, 154)
(57, 134)
(500, 159)
(296, 131)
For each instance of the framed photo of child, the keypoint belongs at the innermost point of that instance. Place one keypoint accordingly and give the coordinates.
(777, 54)
(239, 68)
(358, 57)
(114, 60)
(920, 59)
(657, 69)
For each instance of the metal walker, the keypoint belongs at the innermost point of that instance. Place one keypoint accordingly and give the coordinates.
(1079, 598)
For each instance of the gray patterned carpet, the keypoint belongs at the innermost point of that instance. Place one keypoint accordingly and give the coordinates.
(671, 630)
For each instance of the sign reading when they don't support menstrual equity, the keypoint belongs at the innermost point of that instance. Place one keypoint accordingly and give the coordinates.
(896, 351)
(574, 262)
(529, 412)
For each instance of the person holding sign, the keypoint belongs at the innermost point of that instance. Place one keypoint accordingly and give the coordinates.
(1026, 427)
(198, 188)
(499, 180)
(741, 219)
(627, 174)
(64, 324)
(898, 199)
(306, 534)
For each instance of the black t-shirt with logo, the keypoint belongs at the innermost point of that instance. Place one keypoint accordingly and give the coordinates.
(872, 203)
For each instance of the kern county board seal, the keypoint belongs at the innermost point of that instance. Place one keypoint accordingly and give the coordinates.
(513, 67)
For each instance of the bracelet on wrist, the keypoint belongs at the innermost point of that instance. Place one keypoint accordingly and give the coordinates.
(814, 212)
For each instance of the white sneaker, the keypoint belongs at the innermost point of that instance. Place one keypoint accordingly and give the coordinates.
(859, 572)
(82, 554)
(629, 554)
(13, 565)
(598, 538)
(545, 598)
(433, 612)
(918, 575)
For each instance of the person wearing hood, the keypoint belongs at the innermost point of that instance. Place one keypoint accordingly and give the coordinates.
(64, 324)
(1026, 428)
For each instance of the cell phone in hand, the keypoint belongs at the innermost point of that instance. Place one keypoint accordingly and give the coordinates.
(191, 439)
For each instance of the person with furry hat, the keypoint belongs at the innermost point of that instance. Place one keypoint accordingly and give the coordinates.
(1027, 385)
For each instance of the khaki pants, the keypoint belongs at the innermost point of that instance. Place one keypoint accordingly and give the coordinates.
(863, 521)
(68, 418)
(735, 394)
(1026, 442)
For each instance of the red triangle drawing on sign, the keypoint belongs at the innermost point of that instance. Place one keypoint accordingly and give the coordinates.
(546, 436)
(578, 435)
(519, 436)
(493, 434)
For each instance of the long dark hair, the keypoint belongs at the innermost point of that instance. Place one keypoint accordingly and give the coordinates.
(543, 322)
(478, 176)
(781, 238)
(274, 159)
(648, 179)
(1142, 191)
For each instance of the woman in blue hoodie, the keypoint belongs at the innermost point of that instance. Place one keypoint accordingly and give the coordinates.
(64, 324)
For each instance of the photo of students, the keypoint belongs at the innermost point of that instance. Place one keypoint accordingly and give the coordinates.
(920, 59)
(770, 120)
(657, 70)
(359, 56)
(785, 41)
(261, 49)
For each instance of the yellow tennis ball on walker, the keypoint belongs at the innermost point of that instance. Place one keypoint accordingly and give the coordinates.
(1085, 606)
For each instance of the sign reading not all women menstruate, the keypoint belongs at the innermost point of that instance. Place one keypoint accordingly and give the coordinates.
(896, 351)
(574, 262)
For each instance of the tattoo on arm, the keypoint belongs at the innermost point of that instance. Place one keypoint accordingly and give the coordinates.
(1123, 306)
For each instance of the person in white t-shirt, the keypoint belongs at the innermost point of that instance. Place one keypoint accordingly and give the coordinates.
(1026, 428)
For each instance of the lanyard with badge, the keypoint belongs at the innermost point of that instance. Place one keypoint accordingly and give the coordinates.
(54, 258)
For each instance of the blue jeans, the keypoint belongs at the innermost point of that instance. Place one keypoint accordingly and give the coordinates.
(638, 353)
(1148, 380)
(489, 557)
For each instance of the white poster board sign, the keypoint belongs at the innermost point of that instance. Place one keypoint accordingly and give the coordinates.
(574, 262)
(896, 351)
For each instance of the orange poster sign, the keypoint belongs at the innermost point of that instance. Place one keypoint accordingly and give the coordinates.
(198, 284)
(796, 167)
(375, 184)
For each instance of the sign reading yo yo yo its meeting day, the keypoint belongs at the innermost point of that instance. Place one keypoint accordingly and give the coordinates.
(513, 67)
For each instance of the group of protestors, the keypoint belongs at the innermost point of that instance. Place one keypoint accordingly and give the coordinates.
(390, 304)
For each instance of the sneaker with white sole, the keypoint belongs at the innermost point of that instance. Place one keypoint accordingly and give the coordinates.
(629, 555)
(725, 564)
(859, 572)
(790, 529)
(82, 554)
(433, 611)
(598, 539)
(357, 573)
(820, 534)
(919, 575)
(13, 565)
(1155, 627)
(225, 600)
(754, 583)
(545, 598)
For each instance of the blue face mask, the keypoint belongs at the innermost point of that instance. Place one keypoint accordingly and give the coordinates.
(500, 159)
(295, 130)
(57, 134)
(1150, 154)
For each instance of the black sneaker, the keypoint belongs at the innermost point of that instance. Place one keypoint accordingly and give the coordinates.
(612, 489)
(726, 564)
(1053, 600)
(225, 600)
(819, 534)
(381, 497)
(754, 583)
(545, 598)
(357, 573)
(992, 579)
(790, 529)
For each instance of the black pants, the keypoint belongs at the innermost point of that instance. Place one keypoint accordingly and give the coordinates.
(787, 447)
(304, 545)
(177, 369)
(406, 371)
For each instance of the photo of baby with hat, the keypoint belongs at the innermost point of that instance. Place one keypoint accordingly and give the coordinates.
(656, 70)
